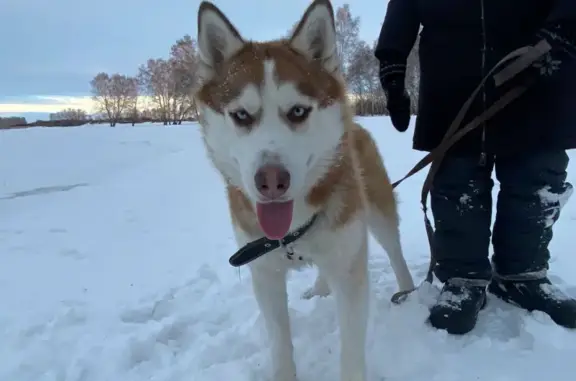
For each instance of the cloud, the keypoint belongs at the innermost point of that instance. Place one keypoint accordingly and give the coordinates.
(46, 104)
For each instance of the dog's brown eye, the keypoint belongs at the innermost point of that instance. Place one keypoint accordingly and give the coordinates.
(242, 118)
(298, 114)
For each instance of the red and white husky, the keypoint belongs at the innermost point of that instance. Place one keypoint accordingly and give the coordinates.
(278, 127)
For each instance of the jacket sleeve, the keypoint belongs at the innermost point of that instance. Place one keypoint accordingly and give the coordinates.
(560, 26)
(563, 11)
(397, 36)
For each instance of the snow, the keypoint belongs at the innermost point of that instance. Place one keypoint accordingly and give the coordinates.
(555, 201)
(114, 246)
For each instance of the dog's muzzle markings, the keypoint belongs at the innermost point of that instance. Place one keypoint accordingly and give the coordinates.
(264, 245)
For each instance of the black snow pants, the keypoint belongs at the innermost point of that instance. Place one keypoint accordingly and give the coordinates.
(533, 189)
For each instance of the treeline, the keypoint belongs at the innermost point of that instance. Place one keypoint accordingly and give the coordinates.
(162, 89)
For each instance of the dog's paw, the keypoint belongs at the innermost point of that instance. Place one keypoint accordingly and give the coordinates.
(311, 292)
(320, 289)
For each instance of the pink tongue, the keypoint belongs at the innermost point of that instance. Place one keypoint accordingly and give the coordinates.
(275, 218)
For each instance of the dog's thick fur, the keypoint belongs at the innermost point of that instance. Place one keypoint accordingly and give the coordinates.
(334, 164)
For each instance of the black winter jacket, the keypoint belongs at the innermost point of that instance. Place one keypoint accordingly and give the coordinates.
(460, 41)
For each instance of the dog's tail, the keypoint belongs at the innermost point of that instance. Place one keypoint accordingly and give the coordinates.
(383, 217)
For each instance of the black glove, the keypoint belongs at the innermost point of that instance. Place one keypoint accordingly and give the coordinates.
(398, 104)
(397, 100)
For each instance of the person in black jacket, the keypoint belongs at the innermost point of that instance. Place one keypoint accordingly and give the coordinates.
(526, 143)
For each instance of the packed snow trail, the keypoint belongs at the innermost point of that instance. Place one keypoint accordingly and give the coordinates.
(114, 246)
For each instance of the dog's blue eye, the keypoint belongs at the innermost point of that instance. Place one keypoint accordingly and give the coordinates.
(298, 114)
(241, 114)
(298, 111)
(242, 118)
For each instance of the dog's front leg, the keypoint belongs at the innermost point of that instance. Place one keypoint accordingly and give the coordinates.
(350, 288)
(270, 290)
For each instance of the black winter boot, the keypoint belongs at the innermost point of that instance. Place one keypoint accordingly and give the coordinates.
(537, 295)
(457, 307)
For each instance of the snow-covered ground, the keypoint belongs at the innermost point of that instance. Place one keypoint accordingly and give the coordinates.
(114, 246)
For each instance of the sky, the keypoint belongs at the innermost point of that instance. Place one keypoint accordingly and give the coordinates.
(52, 49)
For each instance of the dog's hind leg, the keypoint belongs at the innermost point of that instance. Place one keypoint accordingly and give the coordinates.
(382, 206)
(384, 225)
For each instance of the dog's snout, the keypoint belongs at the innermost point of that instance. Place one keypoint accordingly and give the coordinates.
(272, 181)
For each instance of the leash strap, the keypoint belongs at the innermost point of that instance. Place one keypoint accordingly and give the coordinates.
(259, 247)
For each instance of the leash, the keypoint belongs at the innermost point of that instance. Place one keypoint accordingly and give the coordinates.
(522, 59)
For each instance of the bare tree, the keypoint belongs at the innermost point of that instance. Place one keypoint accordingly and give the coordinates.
(170, 83)
(154, 79)
(184, 65)
(364, 83)
(102, 95)
(347, 30)
(114, 95)
(134, 113)
(70, 114)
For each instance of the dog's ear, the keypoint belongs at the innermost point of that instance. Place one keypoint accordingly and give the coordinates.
(218, 39)
(315, 35)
